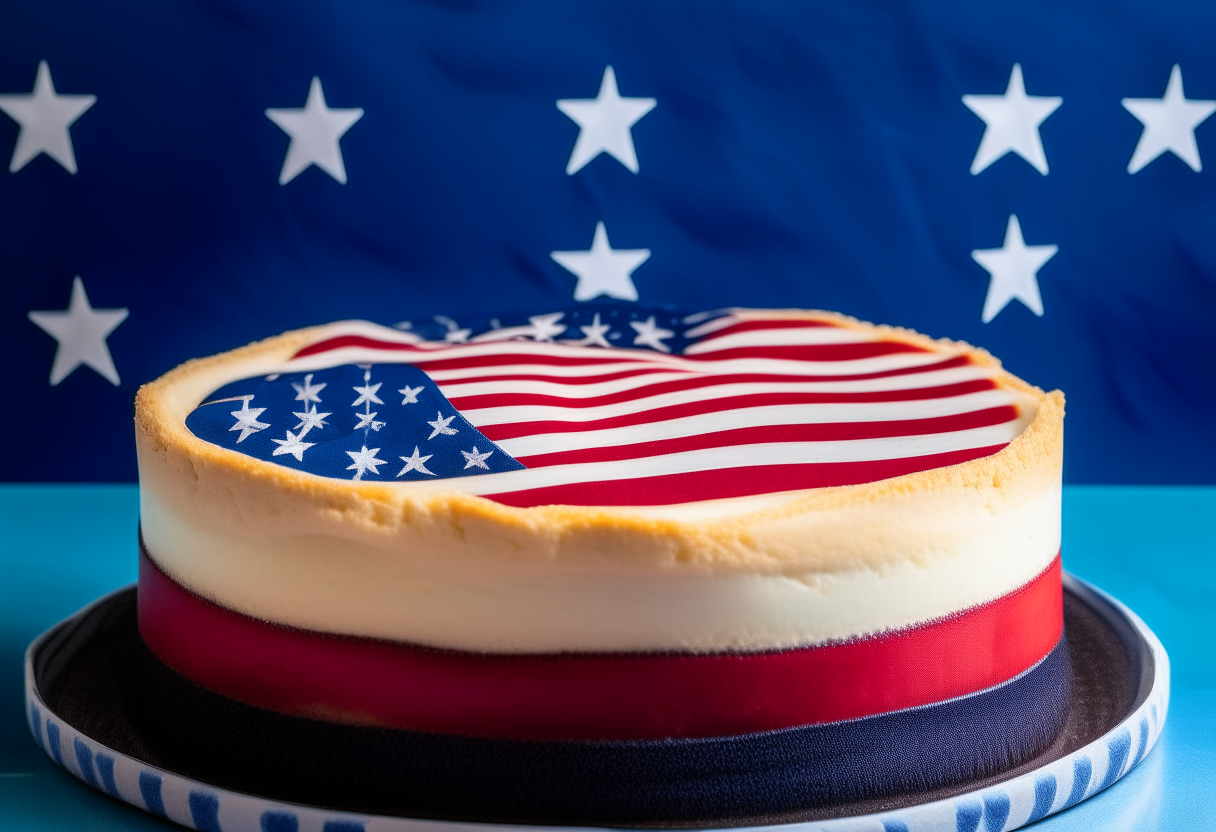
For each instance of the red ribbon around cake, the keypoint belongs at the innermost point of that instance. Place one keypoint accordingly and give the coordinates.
(596, 696)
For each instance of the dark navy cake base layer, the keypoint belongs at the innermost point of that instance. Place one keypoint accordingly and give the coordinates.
(98, 676)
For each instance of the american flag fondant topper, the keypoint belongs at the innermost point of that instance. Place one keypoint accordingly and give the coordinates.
(618, 406)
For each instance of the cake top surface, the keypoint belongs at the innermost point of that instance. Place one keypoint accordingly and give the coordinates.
(611, 405)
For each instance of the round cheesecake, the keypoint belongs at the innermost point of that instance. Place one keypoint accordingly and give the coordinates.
(615, 525)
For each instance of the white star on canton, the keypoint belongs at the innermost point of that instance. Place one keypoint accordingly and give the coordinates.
(594, 334)
(476, 460)
(292, 445)
(1012, 121)
(415, 463)
(605, 124)
(1013, 271)
(315, 131)
(651, 335)
(546, 327)
(44, 116)
(364, 461)
(410, 393)
(308, 392)
(602, 270)
(455, 335)
(440, 425)
(310, 419)
(81, 332)
(367, 393)
(247, 420)
(368, 420)
(1169, 124)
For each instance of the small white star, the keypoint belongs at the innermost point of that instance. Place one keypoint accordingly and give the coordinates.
(454, 335)
(310, 419)
(415, 463)
(1169, 124)
(367, 393)
(546, 327)
(315, 131)
(651, 335)
(308, 392)
(1013, 271)
(364, 461)
(602, 270)
(410, 393)
(1012, 121)
(368, 420)
(441, 424)
(291, 445)
(605, 124)
(81, 332)
(44, 116)
(594, 335)
(247, 420)
(474, 459)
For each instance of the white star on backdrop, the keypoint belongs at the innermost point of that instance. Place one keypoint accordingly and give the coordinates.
(601, 270)
(247, 419)
(315, 131)
(292, 445)
(410, 393)
(1012, 121)
(1013, 271)
(416, 463)
(308, 392)
(1169, 124)
(45, 116)
(442, 425)
(81, 332)
(476, 460)
(605, 124)
(364, 461)
(650, 334)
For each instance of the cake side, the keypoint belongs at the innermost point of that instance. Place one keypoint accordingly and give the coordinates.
(434, 566)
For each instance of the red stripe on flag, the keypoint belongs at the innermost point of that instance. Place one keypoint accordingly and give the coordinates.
(604, 696)
(512, 430)
(765, 434)
(740, 481)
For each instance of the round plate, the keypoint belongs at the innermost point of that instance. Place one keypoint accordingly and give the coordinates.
(80, 717)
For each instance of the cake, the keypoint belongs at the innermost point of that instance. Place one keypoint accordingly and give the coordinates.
(775, 558)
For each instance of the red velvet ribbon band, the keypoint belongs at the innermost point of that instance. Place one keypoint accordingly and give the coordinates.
(595, 696)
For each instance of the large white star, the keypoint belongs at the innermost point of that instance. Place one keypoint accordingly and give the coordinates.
(315, 131)
(364, 461)
(416, 463)
(45, 116)
(605, 124)
(1012, 121)
(1013, 271)
(1169, 124)
(81, 332)
(602, 270)
(650, 334)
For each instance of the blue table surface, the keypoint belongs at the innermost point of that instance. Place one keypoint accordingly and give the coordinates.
(1154, 548)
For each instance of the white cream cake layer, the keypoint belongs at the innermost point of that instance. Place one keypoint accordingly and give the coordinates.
(431, 564)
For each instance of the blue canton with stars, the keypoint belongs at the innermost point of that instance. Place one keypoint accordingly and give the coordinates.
(371, 422)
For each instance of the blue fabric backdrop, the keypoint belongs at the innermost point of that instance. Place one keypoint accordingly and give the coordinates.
(796, 154)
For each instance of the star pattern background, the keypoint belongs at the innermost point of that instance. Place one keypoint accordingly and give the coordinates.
(777, 155)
